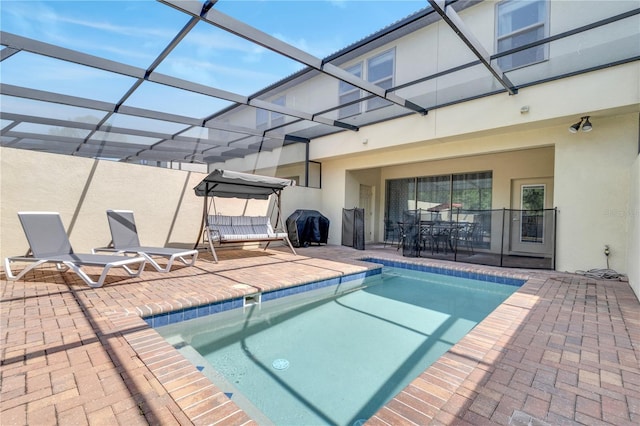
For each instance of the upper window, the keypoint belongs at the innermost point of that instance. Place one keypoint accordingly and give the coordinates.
(348, 93)
(268, 119)
(521, 22)
(379, 71)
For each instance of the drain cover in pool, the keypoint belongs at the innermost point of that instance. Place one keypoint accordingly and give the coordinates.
(280, 364)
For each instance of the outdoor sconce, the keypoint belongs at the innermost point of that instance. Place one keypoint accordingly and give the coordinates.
(586, 125)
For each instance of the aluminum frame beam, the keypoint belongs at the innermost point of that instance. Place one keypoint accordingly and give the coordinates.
(451, 17)
(107, 107)
(18, 43)
(247, 32)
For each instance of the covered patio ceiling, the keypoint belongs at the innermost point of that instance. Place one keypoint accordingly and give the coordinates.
(162, 81)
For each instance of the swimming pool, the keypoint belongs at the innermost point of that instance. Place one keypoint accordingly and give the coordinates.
(336, 357)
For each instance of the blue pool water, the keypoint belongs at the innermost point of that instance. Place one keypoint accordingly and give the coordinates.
(335, 358)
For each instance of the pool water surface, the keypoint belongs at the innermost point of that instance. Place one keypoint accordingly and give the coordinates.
(335, 358)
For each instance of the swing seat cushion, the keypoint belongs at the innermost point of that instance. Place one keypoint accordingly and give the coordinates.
(224, 228)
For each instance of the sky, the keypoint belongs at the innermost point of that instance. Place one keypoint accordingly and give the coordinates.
(135, 32)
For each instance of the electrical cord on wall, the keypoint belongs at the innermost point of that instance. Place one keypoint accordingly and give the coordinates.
(603, 274)
(606, 274)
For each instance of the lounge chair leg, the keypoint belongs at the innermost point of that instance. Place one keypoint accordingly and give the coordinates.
(135, 273)
(192, 262)
(9, 273)
(170, 261)
(105, 272)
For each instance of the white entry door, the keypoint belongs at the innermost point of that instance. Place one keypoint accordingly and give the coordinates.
(531, 231)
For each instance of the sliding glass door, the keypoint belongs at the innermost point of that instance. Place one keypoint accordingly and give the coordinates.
(472, 191)
(400, 196)
(463, 191)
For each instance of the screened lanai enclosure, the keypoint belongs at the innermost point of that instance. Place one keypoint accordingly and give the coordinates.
(225, 84)
(241, 86)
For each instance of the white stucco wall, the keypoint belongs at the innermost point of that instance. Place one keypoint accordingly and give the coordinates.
(296, 198)
(167, 211)
(593, 174)
(633, 252)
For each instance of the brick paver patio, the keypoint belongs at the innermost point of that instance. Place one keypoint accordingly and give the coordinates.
(563, 349)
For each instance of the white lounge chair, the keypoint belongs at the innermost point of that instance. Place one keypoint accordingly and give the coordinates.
(48, 243)
(124, 239)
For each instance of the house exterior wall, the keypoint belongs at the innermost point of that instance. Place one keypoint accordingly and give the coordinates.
(436, 48)
(593, 183)
(492, 132)
(633, 214)
(505, 166)
(295, 198)
(494, 125)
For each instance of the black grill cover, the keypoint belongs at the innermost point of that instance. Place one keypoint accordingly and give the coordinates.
(307, 226)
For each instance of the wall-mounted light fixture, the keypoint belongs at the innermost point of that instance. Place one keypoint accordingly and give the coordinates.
(584, 122)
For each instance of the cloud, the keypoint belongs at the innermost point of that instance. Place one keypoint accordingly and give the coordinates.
(342, 4)
(220, 41)
(318, 48)
(120, 30)
(235, 79)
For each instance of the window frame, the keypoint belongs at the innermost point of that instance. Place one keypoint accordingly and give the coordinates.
(363, 67)
(266, 119)
(382, 103)
(544, 24)
(349, 110)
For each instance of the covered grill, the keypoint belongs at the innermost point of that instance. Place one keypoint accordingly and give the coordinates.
(306, 227)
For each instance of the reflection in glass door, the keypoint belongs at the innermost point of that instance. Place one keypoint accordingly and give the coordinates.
(532, 225)
(532, 214)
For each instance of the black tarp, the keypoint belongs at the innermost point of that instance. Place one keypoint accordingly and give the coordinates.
(306, 227)
(353, 228)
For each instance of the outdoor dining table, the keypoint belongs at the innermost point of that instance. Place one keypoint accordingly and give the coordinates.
(440, 233)
(435, 234)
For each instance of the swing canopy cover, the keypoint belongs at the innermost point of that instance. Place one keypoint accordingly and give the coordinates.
(230, 184)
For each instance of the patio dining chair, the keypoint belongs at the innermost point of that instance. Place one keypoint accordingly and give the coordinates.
(464, 236)
(48, 243)
(391, 232)
(441, 236)
(124, 240)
